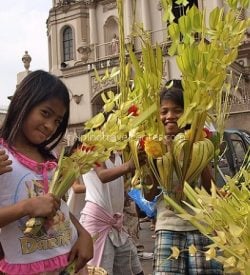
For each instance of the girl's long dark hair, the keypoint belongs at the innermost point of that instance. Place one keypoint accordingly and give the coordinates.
(36, 87)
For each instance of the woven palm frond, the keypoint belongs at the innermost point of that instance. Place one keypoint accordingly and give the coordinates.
(95, 270)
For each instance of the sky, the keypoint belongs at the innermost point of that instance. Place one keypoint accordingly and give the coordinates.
(23, 28)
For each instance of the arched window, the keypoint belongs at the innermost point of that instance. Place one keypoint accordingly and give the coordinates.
(67, 44)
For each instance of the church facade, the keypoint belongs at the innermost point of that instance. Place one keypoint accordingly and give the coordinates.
(83, 37)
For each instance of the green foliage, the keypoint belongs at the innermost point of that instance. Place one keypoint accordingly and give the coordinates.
(203, 54)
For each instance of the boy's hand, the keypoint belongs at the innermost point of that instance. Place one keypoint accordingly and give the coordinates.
(5, 163)
(142, 157)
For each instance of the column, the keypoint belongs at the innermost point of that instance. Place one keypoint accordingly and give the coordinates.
(127, 17)
(92, 25)
(146, 15)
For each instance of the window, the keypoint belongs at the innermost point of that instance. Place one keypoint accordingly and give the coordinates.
(67, 44)
(179, 10)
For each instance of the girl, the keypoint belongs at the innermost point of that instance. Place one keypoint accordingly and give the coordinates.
(35, 122)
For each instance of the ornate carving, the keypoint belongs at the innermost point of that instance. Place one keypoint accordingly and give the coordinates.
(26, 60)
(109, 6)
(90, 3)
(65, 4)
(77, 98)
(84, 50)
(159, 6)
(98, 87)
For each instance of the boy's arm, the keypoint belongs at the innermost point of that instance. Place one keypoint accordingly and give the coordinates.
(150, 193)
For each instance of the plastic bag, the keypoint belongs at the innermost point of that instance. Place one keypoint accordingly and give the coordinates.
(148, 207)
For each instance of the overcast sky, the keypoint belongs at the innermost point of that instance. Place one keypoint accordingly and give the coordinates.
(23, 27)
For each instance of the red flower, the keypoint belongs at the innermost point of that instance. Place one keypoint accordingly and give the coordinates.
(207, 133)
(142, 143)
(133, 110)
(86, 148)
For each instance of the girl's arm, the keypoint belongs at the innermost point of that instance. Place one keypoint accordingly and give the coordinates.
(79, 186)
(12, 213)
(107, 175)
(42, 206)
(82, 251)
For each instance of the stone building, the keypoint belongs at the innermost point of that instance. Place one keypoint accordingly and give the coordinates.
(3, 112)
(83, 36)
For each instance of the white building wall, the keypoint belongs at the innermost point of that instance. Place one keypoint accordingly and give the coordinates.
(76, 76)
(79, 86)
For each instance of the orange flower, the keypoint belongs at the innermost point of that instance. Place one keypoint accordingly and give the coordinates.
(153, 148)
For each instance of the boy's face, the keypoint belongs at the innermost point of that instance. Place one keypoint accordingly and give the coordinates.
(170, 112)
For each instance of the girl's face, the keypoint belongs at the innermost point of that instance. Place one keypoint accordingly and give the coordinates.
(170, 112)
(42, 121)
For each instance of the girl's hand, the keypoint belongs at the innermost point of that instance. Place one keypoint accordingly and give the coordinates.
(4, 162)
(82, 251)
(42, 206)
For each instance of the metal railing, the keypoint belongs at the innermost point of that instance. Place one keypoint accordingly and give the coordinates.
(109, 50)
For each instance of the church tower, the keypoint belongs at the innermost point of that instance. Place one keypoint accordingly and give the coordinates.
(79, 40)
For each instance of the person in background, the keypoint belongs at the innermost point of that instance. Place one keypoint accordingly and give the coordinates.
(76, 194)
(36, 121)
(115, 44)
(171, 230)
(102, 216)
(131, 221)
(76, 199)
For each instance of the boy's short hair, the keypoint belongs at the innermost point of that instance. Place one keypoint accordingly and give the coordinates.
(173, 91)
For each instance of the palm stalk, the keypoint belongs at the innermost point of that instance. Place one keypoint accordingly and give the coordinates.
(226, 215)
(67, 171)
(64, 176)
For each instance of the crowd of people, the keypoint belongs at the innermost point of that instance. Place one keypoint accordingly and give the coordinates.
(35, 123)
